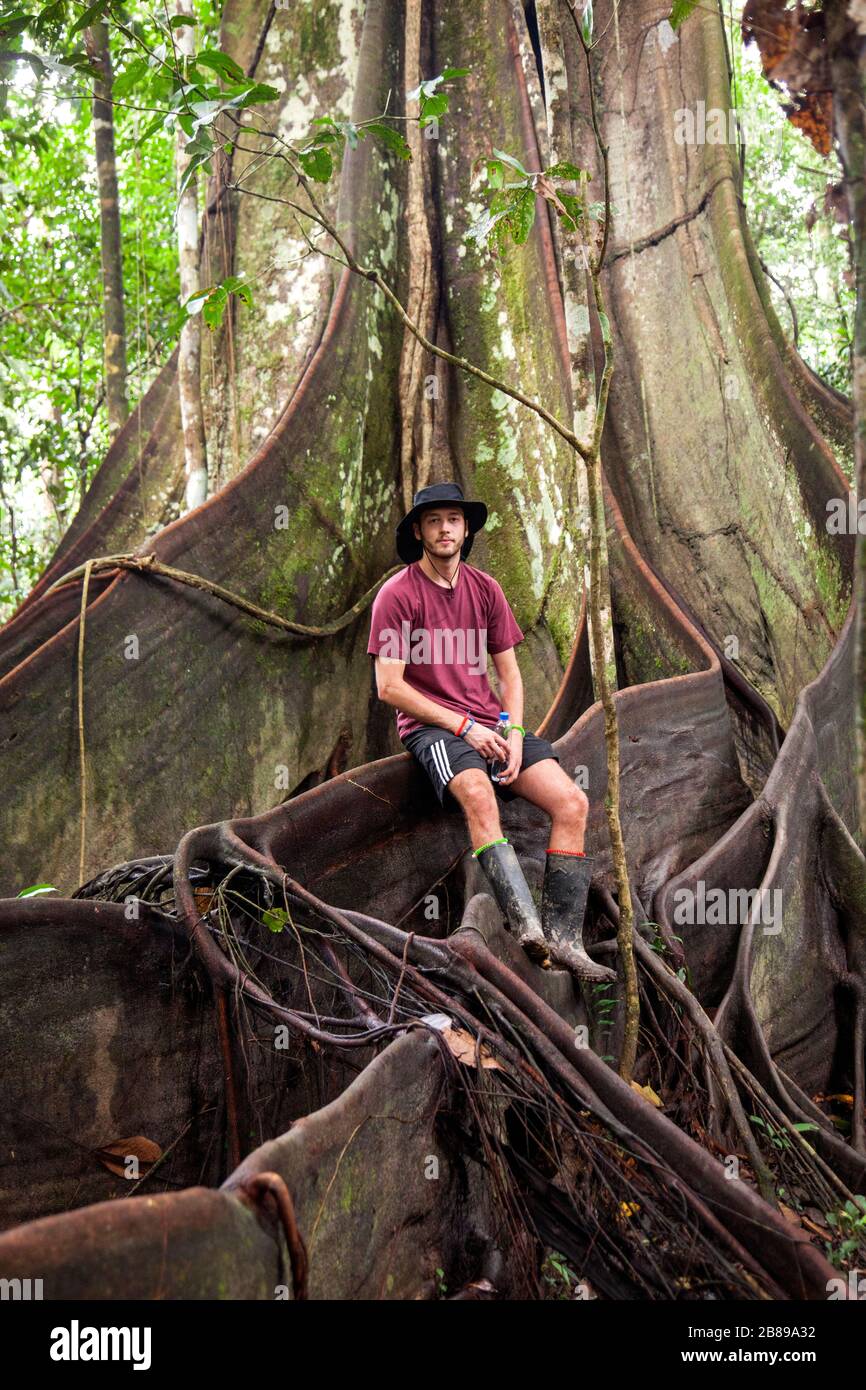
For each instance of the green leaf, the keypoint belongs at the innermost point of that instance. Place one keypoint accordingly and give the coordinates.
(424, 89)
(275, 920)
(317, 163)
(220, 62)
(201, 143)
(514, 163)
(680, 11)
(521, 215)
(236, 284)
(390, 137)
(91, 14)
(433, 102)
(37, 888)
(480, 230)
(178, 20)
(212, 313)
(204, 113)
(199, 160)
(564, 170)
(337, 131)
(255, 95)
(211, 303)
(323, 138)
(432, 108)
(586, 22)
(495, 173)
(574, 210)
(155, 124)
(190, 72)
(183, 94)
(803, 1127)
(131, 74)
(194, 304)
(13, 23)
(79, 62)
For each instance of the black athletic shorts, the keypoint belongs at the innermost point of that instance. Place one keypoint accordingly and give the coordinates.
(442, 755)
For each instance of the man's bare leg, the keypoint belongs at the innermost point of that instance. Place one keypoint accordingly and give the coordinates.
(474, 792)
(549, 786)
(566, 886)
(500, 864)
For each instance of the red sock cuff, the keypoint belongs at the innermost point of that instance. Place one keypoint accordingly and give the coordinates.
(581, 854)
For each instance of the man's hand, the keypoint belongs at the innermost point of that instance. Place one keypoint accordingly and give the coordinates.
(488, 743)
(515, 758)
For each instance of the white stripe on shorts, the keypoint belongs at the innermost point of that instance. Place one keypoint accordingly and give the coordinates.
(440, 758)
(446, 760)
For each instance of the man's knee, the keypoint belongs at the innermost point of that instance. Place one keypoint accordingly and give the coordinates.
(573, 805)
(473, 790)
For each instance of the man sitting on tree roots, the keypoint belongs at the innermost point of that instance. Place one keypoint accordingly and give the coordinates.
(436, 621)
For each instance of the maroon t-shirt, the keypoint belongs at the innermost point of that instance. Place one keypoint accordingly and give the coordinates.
(444, 636)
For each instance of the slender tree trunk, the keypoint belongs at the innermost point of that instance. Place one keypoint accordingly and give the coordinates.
(189, 358)
(13, 538)
(96, 39)
(415, 408)
(52, 517)
(848, 69)
(590, 405)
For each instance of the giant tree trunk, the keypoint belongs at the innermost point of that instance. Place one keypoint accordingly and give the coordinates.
(736, 754)
(114, 331)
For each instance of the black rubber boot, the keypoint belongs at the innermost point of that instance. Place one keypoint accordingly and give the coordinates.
(563, 907)
(511, 891)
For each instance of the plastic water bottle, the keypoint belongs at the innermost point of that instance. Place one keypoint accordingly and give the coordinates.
(503, 725)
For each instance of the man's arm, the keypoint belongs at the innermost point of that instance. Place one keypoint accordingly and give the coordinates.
(510, 683)
(394, 690)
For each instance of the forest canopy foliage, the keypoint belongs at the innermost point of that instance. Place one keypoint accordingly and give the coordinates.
(53, 421)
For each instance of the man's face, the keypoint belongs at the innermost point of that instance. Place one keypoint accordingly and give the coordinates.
(443, 530)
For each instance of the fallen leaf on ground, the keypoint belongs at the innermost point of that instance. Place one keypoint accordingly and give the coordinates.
(462, 1044)
(115, 1154)
(648, 1094)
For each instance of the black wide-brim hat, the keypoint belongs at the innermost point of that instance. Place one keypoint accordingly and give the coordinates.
(409, 548)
